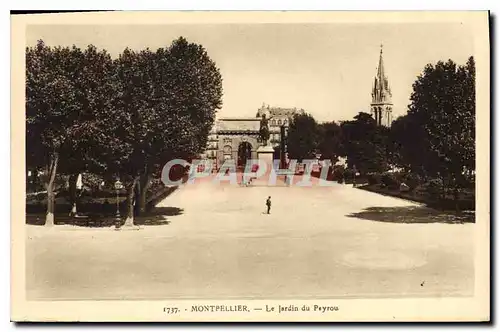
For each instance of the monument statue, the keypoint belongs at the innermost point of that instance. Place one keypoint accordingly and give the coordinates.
(264, 130)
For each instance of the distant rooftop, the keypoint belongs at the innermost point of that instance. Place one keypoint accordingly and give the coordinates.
(252, 124)
(271, 111)
(238, 124)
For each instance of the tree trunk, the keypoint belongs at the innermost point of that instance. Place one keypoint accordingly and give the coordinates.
(144, 183)
(73, 178)
(129, 221)
(49, 218)
(137, 198)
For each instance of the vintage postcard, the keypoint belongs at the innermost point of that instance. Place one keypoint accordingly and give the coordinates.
(251, 166)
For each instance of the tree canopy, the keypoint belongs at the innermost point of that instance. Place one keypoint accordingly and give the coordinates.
(120, 118)
(303, 137)
(365, 144)
(330, 141)
(437, 136)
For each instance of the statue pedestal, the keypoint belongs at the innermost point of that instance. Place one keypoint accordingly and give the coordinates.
(265, 155)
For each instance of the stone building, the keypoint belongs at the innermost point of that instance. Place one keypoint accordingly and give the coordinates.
(238, 138)
(381, 105)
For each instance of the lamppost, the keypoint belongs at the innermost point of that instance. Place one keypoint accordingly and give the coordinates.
(118, 187)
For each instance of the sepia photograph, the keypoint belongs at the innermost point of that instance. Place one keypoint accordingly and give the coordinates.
(265, 166)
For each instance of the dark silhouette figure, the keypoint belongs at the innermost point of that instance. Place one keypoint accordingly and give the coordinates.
(264, 130)
(268, 203)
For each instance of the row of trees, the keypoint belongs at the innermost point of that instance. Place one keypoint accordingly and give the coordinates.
(435, 139)
(360, 140)
(119, 118)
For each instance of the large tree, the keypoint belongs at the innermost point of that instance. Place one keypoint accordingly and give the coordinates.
(364, 143)
(65, 87)
(443, 100)
(187, 94)
(303, 137)
(94, 89)
(52, 111)
(165, 108)
(409, 144)
(330, 140)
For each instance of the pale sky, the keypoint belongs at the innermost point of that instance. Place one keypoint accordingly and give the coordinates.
(326, 69)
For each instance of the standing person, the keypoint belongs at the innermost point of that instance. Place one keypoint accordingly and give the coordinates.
(268, 203)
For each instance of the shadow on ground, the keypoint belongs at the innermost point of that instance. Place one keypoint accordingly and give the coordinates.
(155, 217)
(413, 215)
(158, 216)
(97, 214)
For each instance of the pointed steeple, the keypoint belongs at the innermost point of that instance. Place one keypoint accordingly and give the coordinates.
(381, 105)
(381, 92)
(380, 71)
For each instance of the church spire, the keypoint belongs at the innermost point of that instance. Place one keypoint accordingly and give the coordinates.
(381, 92)
(381, 72)
(381, 105)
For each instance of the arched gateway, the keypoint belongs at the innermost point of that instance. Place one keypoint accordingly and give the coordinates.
(244, 153)
(238, 138)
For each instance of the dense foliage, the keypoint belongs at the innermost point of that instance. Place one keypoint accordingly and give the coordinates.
(303, 137)
(122, 118)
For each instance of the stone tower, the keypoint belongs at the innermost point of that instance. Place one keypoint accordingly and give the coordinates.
(381, 106)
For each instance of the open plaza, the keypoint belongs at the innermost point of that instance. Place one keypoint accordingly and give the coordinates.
(218, 242)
